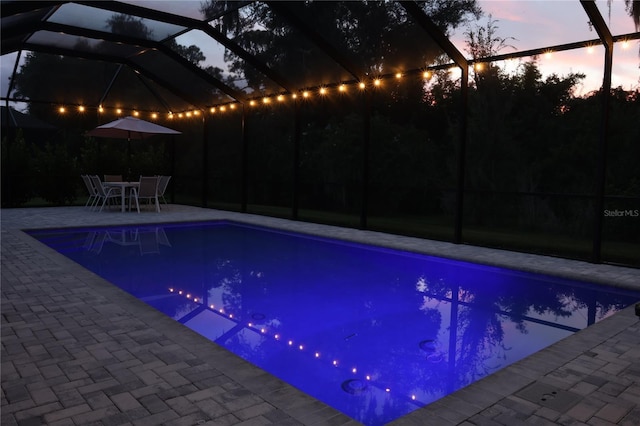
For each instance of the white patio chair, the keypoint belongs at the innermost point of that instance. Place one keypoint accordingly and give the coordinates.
(163, 182)
(146, 190)
(93, 194)
(104, 194)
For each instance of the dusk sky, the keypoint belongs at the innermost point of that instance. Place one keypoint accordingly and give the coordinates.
(540, 23)
(526, 24)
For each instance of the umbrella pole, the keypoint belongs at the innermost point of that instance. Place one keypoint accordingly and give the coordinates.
(128, 155)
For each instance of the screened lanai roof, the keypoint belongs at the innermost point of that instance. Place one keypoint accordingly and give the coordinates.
(150, 42)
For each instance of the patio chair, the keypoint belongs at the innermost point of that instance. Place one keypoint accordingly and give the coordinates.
(93, 194)
(146, 190)
(104, 194)
(113, 178)
(163, 182)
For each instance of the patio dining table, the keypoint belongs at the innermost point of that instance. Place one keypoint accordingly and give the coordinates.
(123, 190)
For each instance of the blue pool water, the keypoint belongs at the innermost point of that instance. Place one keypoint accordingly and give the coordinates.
(375, 333)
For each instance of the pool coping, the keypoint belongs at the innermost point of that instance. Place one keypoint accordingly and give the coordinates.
(498, 395)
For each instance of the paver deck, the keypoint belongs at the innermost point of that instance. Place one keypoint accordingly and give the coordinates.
(77, 350)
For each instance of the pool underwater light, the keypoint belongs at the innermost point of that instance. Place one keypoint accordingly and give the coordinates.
(353, 386)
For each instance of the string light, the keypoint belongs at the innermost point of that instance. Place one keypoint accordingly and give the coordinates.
(307, 93)
(341, 87)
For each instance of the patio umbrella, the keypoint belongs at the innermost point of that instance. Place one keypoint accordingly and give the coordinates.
(131, 128)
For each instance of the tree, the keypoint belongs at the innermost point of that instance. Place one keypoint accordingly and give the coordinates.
(57, 173)
(484, 42)
(371, 34)
(17, 167)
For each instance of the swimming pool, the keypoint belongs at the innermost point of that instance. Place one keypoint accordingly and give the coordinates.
(375, 333)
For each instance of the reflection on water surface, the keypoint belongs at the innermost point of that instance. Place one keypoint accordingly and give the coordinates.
(373, 332)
